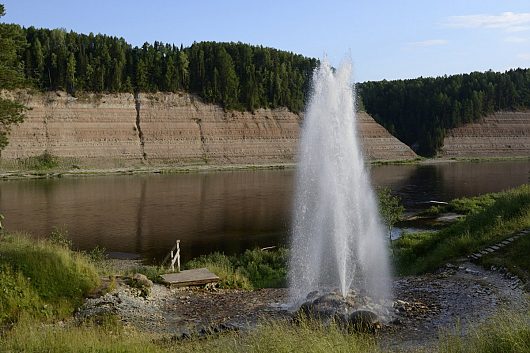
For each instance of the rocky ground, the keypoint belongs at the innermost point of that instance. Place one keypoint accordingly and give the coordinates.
(423, 306)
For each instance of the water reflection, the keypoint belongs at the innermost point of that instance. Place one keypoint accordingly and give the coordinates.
(229, 211)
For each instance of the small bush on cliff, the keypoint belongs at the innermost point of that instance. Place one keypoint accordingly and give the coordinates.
(43, 161)
(41, 279)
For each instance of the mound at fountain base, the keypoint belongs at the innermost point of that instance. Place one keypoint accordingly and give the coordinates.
(353, 312)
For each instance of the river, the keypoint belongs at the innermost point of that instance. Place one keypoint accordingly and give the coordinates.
(221, 211)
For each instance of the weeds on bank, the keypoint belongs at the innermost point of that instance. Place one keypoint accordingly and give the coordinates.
(514, 257)
(507, 332)
(253, 269)
(41, 279)
(490, 218)
(109, 336)
(43, 161)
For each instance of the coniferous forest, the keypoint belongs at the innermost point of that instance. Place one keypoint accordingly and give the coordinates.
(235, 75)
(244, 77)
(420, 111)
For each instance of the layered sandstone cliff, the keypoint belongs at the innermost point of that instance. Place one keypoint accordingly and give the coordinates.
(168, 128)
(503, 134)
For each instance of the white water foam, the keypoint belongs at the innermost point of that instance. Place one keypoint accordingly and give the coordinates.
(338, 240)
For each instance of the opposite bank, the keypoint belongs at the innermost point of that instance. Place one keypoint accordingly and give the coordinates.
(123, 129)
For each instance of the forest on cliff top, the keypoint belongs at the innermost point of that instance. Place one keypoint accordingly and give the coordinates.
(246, 77)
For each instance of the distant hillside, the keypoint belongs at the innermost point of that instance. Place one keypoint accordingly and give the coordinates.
(122, 129)
(243, 77)
(420, 111)
(235, 75)
(503, 134)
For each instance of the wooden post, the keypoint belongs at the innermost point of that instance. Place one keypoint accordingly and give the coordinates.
(175, 257)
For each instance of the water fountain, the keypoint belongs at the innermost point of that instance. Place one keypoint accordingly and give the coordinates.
(338, 244)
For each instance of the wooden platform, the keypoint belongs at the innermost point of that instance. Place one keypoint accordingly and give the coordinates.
(194, 277)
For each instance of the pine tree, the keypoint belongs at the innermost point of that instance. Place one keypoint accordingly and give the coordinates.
(12, 44)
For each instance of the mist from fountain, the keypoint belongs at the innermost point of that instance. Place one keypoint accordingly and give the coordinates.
(338, 241)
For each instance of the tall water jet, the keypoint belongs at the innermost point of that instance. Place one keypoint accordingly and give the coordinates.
(338, 241)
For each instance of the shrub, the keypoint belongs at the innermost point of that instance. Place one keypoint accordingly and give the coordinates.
(221, 265)
(41, 162)
(57, 276)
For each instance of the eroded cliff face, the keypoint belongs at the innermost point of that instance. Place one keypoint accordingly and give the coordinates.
(89, 128)
(503, 134)
(123, 129)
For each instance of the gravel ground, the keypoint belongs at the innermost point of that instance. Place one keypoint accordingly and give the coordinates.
(424, 305)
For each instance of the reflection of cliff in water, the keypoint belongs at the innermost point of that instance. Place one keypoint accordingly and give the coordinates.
(229, 211)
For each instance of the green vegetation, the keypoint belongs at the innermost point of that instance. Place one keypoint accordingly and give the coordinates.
(490, 218)
(513, 257)
(507, 332)
(43, 161)
(270, 337)
(390, 208)
(41, 279)
(235, 75)
(12, 44)
(419, 111)
(253, 269)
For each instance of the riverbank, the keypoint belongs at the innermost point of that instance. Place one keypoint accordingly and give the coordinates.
(464, 299)
(135, 170)
(458, 298)
(63, 170)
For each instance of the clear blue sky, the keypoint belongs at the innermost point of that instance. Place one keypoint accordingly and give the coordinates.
(387, 39)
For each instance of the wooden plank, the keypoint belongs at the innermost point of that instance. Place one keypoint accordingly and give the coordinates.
(194, 277)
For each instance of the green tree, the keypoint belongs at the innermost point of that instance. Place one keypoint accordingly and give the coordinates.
(70, 73)
(12, 43)
(390, 208)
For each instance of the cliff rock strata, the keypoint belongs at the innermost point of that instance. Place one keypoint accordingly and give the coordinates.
(167, 128)
(503, 134)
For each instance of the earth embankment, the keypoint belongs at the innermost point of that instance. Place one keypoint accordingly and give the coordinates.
(503, 134)
(113, 130)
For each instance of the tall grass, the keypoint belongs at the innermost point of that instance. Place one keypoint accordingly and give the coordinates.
(220, 264)
(41, 278)
(252, 269)
(490, 219)
(270, 337)
(507, 332)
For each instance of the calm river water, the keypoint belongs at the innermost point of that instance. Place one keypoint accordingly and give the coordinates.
(224, 211)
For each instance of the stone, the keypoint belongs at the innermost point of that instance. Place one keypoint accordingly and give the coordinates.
(142, 283)
(350, 313)
(142, 280)
(364, 321)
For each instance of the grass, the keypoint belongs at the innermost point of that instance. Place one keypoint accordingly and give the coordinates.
(507, 332)
(43, 161)
(253, 269)
(514, 257)
(269, 337)
(490, 218)
(41, 279)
